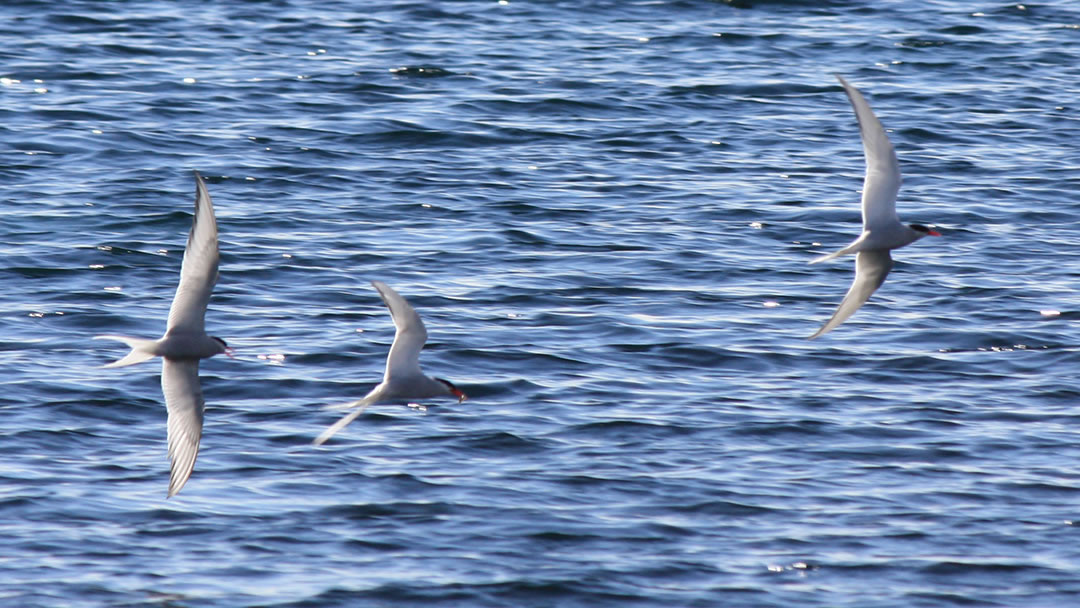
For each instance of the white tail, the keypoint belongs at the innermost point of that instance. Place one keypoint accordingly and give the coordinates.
(141, 350)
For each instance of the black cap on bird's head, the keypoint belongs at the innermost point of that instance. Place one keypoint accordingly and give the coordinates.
(225, 348)
(455, 391)
(925, 230)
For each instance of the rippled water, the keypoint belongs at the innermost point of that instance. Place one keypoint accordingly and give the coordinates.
(603, 211)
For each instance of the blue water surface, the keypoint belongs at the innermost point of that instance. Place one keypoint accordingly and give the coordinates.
(604, 212)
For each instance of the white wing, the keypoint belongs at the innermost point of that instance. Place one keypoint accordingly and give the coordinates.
(882, 182)
(360, 406)
(404, 357)
(183, 397)
(199, 271)
(871, 268)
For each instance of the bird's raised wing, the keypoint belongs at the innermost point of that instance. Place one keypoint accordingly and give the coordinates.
(183, 398)
(199, 270)
(882, 181)
(871, 268)
(409, 339)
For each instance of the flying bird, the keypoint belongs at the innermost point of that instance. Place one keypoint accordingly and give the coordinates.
(403, 378)
(185, 341)
(882, 229)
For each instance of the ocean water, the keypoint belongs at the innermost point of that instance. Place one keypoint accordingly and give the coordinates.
(604, 213)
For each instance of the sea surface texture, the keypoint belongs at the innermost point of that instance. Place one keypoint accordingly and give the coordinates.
(604, 211)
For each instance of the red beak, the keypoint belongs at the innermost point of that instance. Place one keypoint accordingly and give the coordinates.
(933, 232)
(460, 395)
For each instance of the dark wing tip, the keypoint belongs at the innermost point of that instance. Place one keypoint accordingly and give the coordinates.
(200, 183)
(384, 291)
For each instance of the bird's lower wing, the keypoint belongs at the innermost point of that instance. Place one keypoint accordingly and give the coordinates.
(360, 406)
(183, 397)
(871, 268)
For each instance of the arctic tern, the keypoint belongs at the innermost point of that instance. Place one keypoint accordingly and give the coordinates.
(185, 341)
(403, 379)
(882, 229)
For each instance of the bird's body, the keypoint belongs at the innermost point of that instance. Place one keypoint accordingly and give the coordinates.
(403, 378)
(882, 229)
(185, 341)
